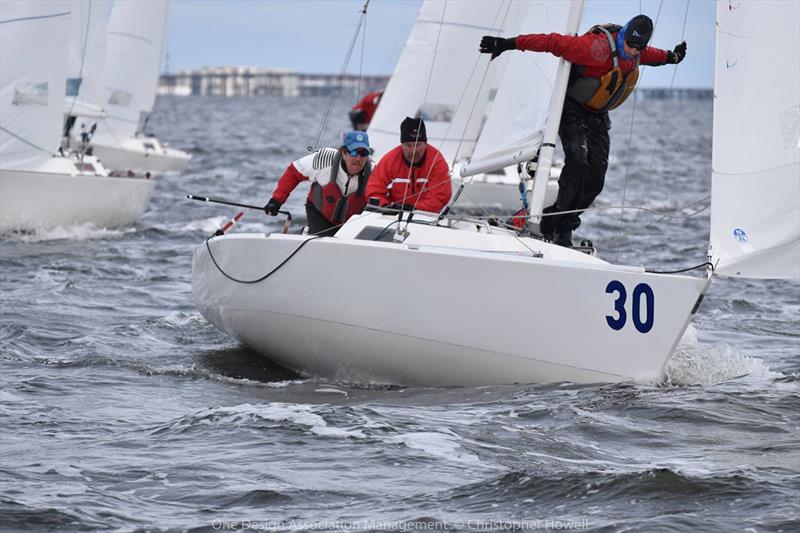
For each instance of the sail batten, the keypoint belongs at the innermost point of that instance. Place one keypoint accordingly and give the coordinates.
(755, 213)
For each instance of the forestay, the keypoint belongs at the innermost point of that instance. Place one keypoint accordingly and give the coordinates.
(755, 219)
(87, 57)
(32, 80)
(436, 77)
(133, 60)
(515, 127)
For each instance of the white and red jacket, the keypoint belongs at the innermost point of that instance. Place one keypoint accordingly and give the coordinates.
(330, 183)
(425, 185)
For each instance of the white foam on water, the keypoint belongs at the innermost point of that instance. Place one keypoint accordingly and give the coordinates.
(436, 444)
(300, 414)
(206, 225)
(695, 365)
(81, 232)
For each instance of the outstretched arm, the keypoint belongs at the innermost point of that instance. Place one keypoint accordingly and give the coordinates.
(655, 57)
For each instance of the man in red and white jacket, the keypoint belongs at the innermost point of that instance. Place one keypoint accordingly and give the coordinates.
(338, 181)
(605, 69)
(413, 175)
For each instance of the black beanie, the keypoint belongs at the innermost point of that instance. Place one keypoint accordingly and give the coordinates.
(639, 30)
(413, 130)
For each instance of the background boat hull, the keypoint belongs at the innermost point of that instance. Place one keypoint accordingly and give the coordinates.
(31, 201)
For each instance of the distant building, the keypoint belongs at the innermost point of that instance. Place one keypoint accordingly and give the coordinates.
(250, 81)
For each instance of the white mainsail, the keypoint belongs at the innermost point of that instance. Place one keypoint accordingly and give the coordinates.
(755, 216)
(87, 57)
(436, 77)
(133, 60)
(33, 50)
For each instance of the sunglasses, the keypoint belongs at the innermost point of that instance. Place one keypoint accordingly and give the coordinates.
(359, 152)
(636, 46)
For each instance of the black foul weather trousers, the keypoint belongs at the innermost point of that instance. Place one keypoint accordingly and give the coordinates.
(584, 137)
(318, 224)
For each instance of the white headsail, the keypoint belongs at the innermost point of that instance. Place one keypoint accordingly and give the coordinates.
(520, 110)
(87, 57)
(133, 60)
(438, 77)
(755, 217)
(33, 62)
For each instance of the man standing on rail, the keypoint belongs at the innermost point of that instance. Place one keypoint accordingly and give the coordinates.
(605, 68)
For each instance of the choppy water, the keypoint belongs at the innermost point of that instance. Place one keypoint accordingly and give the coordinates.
(123, 409)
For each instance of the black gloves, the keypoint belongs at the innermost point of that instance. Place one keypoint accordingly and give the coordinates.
(272, 207)
(496, 45)
(676, 56)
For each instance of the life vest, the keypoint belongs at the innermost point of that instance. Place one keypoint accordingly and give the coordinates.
(329, 200)
(609, 90)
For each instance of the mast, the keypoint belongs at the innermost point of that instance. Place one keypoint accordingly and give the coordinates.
(536, 189)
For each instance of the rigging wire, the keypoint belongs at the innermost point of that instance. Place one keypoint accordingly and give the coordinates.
(624, 235)
(326, 116)
(657, 143)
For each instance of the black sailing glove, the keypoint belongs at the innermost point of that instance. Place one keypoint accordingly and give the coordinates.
(676, 56)
(272, 207)
(496, 45)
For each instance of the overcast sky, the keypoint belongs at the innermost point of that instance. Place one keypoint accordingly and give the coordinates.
(313, 35)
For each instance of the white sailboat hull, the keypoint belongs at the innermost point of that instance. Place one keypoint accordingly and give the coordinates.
(141, 154)
(31, 200)
(378, 312)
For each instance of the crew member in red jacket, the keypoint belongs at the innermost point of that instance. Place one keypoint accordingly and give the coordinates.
(413, 175)
(338, 181)
(362, 113)
(605, 68)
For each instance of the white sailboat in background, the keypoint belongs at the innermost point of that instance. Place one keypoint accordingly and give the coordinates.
(83, 104)
(39, 187)
(136, 33)
(439, 76)
(473, 304)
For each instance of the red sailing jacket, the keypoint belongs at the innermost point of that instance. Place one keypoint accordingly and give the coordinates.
(590, 51)
(426, 185)
(368, 104)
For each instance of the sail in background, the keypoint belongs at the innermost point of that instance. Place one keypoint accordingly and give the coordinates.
(33, 61)
(133, 60)
(755, 217)
(439, 78)
(87, 57)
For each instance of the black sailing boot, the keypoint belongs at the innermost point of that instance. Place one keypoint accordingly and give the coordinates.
(563, 238)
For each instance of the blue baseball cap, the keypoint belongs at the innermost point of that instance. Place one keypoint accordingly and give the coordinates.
(353, 140)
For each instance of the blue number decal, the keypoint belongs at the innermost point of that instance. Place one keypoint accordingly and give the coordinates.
(619, 305)
(649, 302)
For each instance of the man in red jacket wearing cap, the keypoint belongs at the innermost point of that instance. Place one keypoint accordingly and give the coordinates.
(413, 175)
(605, 68)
